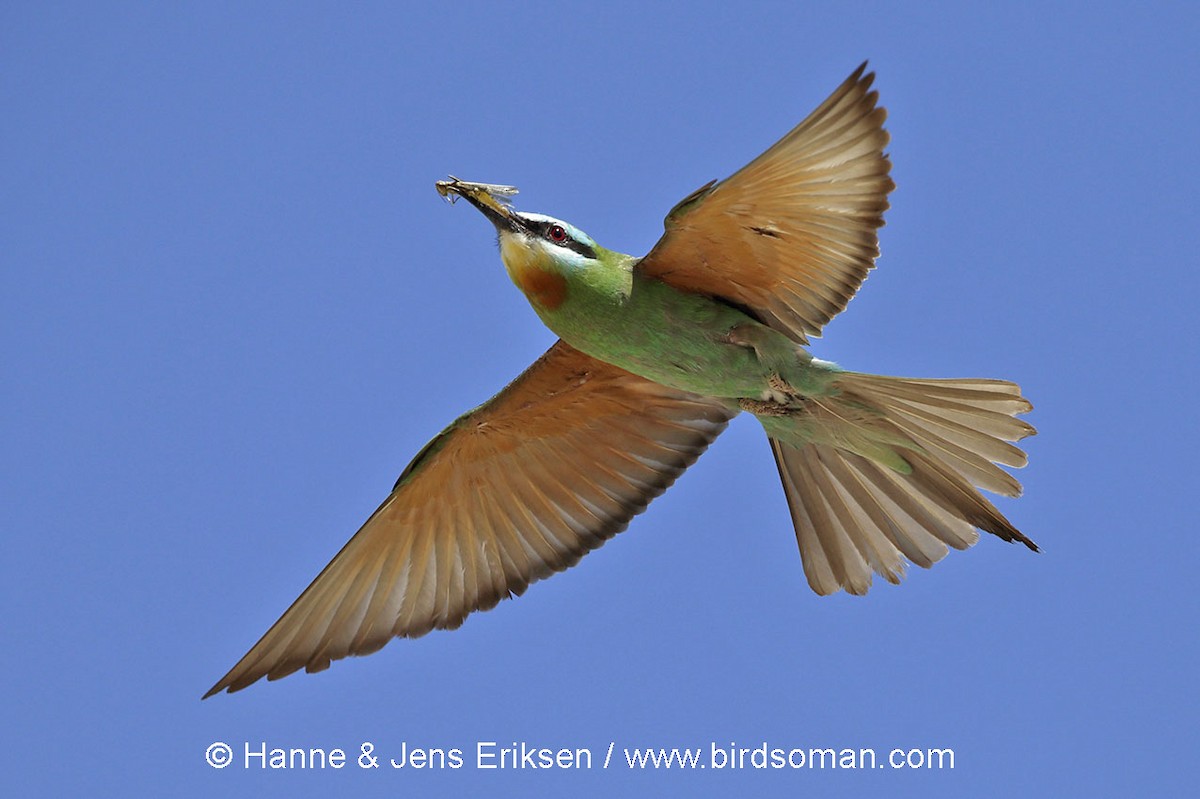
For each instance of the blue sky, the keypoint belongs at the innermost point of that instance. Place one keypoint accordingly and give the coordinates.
(233, 307)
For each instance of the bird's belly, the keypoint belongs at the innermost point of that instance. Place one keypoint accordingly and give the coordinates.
(686, 342)
(710, 369)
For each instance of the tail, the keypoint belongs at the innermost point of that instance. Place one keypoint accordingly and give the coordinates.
(887, 469)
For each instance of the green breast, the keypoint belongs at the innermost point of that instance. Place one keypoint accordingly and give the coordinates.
(664, 335)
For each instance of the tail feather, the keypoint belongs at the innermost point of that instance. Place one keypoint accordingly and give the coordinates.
(976, 466)
(906, 529)
(856, 515)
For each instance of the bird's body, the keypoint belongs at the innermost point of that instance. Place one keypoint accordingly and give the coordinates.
(689, 342)
(655, 356)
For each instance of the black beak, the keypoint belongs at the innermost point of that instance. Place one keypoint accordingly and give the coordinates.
(488, 198)
(500, 215)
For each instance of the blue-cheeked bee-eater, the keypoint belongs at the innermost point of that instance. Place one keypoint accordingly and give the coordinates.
(655, 356)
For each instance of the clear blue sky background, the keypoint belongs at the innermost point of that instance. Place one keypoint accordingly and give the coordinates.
(232, 308)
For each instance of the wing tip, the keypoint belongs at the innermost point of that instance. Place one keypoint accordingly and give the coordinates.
(227, 684)
(861, 75)
(862, 80)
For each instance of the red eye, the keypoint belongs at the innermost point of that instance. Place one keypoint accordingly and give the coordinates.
(556, 233)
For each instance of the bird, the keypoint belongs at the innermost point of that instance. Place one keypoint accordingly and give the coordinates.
(655, 355)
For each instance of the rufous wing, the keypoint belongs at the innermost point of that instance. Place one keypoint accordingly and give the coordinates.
(520, 488)
(791, 236)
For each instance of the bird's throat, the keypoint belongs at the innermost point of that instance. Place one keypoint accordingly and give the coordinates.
(544, 287)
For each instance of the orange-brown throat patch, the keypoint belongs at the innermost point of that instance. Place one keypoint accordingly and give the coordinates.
(545, 288)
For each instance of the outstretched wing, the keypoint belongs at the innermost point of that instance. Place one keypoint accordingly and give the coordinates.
(791, 236)
(523, 486)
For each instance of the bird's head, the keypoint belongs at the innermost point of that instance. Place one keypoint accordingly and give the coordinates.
(544, 256)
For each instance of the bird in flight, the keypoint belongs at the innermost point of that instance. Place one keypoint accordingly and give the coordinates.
(655, 356)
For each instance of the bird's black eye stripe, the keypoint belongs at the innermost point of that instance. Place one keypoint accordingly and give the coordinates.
(557, 234)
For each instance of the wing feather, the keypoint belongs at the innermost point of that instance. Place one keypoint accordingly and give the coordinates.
(521, 487)
(792, 235)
